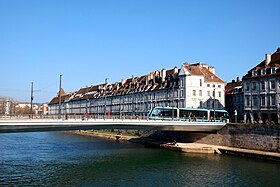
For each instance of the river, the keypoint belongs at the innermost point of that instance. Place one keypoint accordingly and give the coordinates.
(60, 159)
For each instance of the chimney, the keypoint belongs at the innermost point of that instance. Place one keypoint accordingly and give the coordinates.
(152, 77)
(267, 59)
(163, 74)
(237, 79)
(175, 70)
(212, 69)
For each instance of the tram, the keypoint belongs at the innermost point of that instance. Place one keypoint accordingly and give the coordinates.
(188, 114)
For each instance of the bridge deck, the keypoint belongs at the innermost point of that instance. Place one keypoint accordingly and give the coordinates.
(7, 126)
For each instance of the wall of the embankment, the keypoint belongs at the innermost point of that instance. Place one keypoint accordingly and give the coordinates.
(248, 136)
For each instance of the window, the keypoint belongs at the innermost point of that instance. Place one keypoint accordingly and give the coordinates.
(254, 85)
(262, 85)
(255, 73)
(200, 82)
(273, 70)
(182, 93)
(272, 84)
(208, 103)
(247, 101)
(213, 85)
(200, 92)
(247, 86)
(214, 93)
(194, 93)
(182, 82)
(219, 86)
(272, 98)
(255, 101)
(220, 94)
(208, 85)
(263, 101)
(208, 93)
(263, 71)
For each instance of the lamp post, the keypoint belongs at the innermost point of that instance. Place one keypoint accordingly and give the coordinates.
(105, 107)
(59, 97)
(87, 99)
(173, 101)
(214, 94)
(31, 101)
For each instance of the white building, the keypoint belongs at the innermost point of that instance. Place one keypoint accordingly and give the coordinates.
(195, 86)
(200, 87)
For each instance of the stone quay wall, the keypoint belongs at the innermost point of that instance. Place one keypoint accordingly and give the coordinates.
(247, 136)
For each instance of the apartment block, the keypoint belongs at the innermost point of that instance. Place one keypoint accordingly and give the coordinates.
(262, 91)
(192, 85)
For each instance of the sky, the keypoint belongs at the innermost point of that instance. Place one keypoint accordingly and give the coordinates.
(87, 41)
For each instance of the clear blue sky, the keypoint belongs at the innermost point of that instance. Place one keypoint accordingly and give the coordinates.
(88, 41)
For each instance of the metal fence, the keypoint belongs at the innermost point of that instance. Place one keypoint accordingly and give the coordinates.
(71, 116)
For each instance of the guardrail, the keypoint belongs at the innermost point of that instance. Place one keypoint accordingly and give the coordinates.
(71, 116)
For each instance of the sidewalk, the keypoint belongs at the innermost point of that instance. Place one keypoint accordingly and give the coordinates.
(213, 149)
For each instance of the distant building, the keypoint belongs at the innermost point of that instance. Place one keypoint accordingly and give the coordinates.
(193, 85)
(42, 109)
(7, 105)
(234, 100)
(261, 91)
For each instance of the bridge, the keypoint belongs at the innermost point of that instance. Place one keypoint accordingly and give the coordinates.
(35, 125)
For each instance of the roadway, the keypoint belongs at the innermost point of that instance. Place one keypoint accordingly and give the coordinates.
(33, 125)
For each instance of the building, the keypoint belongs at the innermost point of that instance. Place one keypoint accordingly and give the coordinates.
(261, 91)
(7, 106)
(193, 85)
(200, 87)
(234, 100)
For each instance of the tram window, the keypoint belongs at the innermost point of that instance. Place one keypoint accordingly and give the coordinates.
(193, 114)
(219, 114)
(156, 112)
(168, 113)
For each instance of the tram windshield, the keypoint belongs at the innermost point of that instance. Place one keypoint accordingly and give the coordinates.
(163, 113)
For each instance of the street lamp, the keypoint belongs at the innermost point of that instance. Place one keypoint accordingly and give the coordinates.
(214, 94)
(105, 107)
(59, 97)
(31, 101)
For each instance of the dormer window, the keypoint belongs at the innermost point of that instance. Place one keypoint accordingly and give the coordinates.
(263, 71)
(273, 70)
(255, 73)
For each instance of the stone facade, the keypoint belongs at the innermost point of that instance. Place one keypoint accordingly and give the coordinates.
(193, 85)
(257, 137)
(234, 100)
(261, 87)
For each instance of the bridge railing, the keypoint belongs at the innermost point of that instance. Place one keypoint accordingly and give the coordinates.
(71, 116)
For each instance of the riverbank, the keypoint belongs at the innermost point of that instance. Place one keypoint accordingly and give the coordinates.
(183, 147)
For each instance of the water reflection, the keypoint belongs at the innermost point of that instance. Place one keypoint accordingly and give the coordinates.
(56, 159)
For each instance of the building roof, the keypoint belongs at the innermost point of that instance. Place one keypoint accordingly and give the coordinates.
(234, 87)
(203, 70)
(157, 80)
(273, 62)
